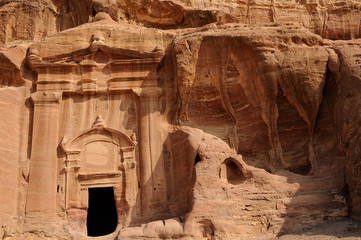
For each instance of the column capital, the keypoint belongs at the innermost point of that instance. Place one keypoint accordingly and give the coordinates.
(46, 97)
(148, 92)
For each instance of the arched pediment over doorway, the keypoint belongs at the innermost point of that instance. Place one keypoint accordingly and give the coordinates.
(99, 150)
(98, 132)
(100, 157)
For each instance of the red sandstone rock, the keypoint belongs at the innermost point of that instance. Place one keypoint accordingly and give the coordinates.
(207, 119)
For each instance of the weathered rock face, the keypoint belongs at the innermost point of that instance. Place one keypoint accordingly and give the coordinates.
(199, 119)
(347, 120)
(253, 84)
(32, 20)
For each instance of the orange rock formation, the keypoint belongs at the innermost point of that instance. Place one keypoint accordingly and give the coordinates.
(178, 119)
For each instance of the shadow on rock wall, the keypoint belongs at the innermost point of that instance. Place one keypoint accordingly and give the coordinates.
(321, 204)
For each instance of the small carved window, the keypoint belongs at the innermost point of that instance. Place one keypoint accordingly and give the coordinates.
(231, 171)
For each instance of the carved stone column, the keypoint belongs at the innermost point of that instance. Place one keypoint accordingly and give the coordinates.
(42, 188)
(152, 177)
(72, 190)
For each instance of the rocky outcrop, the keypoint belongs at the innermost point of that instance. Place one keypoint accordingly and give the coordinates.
(225, 198)
(240, 81)
(14, 155)
(32, 20)
(347, 120)
(15, 119)
(330, 19)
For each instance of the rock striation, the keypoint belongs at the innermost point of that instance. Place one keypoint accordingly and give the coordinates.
(189, 119)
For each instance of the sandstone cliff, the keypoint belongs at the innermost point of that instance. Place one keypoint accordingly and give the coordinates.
(257, 126)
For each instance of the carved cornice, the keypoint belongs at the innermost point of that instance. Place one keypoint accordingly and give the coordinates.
(78, 71)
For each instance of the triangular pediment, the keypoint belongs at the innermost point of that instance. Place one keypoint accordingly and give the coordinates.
(87, 42)
(94, 54)
(100, 55)
(113, 53)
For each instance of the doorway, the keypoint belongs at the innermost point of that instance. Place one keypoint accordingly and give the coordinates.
(102, 216)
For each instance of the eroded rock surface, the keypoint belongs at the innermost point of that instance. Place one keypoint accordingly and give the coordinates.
(204, 119)
(31, 20)
(246, 81)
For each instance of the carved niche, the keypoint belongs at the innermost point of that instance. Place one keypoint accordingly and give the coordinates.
(99, 157)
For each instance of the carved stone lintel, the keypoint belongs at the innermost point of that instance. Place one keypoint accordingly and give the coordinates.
(127, 149)
(91, 176)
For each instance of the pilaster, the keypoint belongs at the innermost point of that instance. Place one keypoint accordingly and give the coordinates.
(152, 176)
(42, 187)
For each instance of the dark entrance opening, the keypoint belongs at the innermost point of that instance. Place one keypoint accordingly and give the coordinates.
(197, 159)
(102, 214)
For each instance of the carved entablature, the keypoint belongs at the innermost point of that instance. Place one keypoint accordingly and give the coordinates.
(98, 67)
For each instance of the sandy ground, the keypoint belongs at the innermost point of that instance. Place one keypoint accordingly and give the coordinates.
(329, 230)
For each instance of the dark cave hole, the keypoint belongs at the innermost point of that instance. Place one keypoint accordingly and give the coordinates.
(197, 159)
(346, 194)
(102, 214)
(94, 13)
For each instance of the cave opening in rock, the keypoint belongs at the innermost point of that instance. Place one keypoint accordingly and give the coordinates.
(102, 215)
(94, 13)
(197, 159)
(233, 172)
